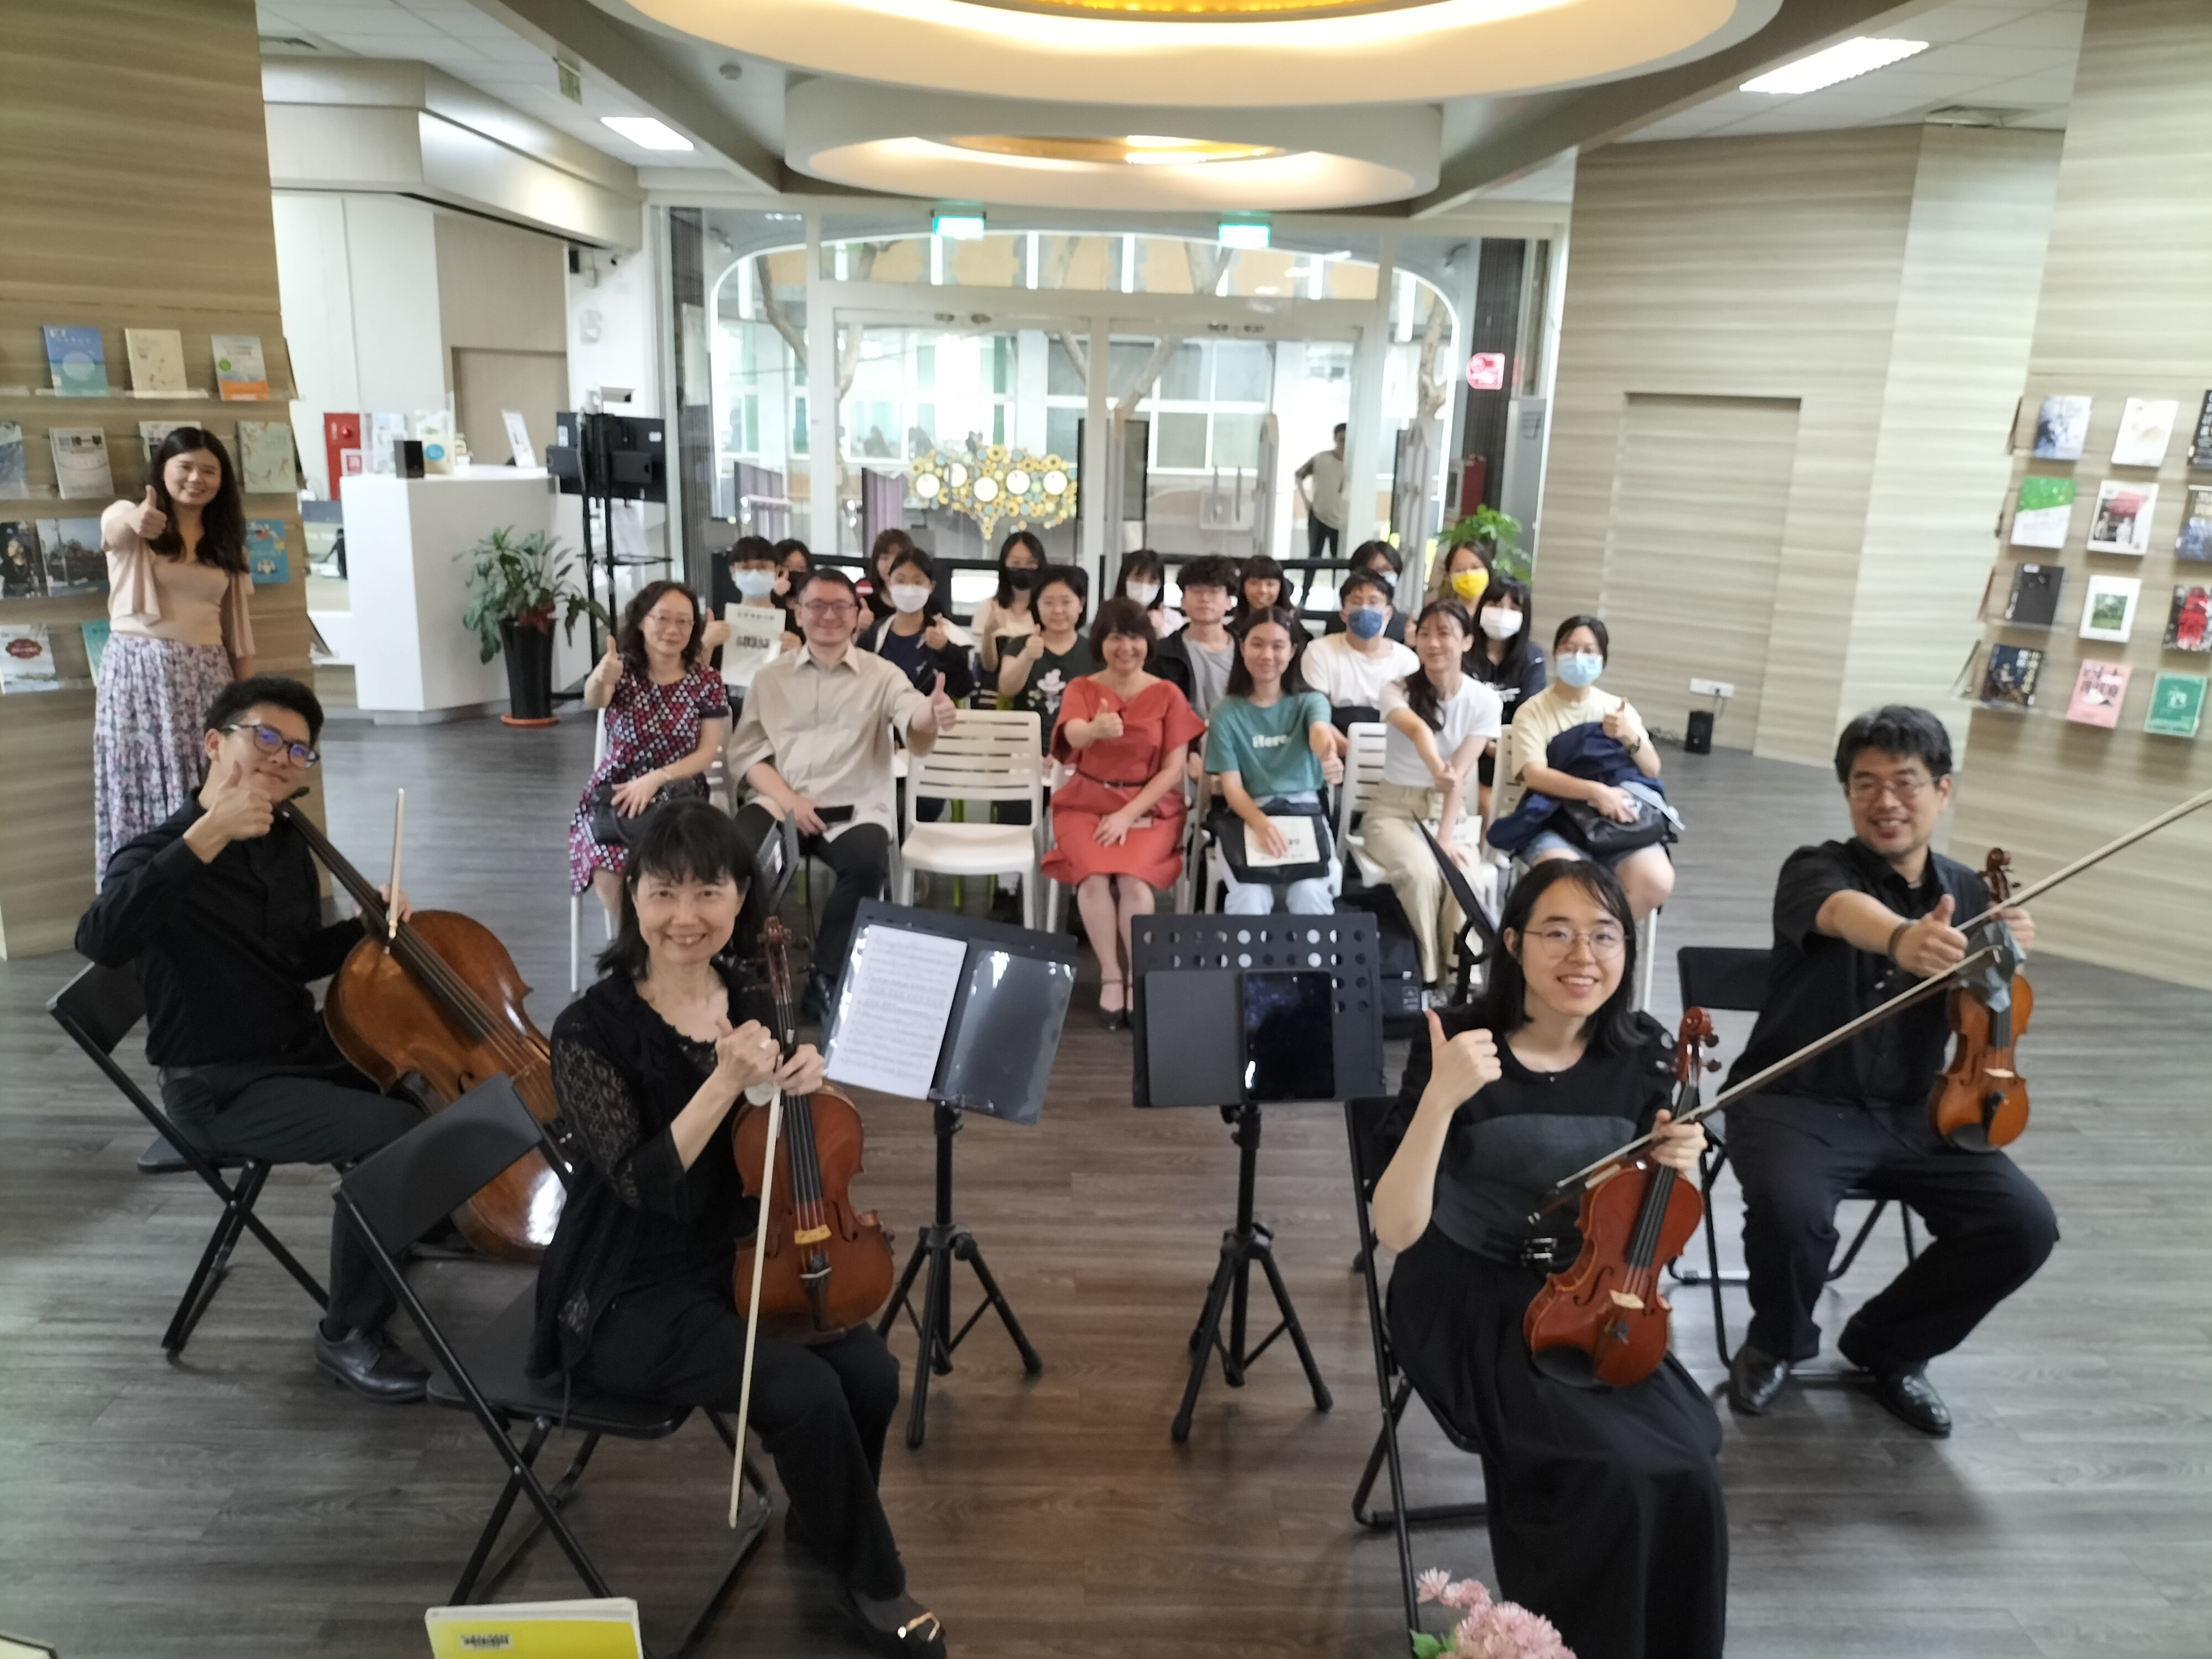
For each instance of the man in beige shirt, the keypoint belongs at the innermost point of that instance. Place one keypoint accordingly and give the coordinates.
(815, 743)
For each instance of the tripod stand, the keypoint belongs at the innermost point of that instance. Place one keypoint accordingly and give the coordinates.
(1241, 1245)
(939, 1244)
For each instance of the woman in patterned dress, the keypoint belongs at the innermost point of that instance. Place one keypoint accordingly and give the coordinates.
(667, 713)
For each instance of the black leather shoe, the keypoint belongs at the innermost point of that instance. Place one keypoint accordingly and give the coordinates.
(1904, 1392)
(371, 1366)
(901, 1629)
(1754, 1378)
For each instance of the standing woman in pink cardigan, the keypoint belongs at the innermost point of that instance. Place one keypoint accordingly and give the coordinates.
(178, 592)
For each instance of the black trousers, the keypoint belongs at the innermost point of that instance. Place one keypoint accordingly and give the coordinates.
(1318, 535)
(822, 1411)
(1991, 1225)
(860, 858)
(310, 1109)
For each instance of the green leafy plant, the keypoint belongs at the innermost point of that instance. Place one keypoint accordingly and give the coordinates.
(1498, 533)
(526, 581)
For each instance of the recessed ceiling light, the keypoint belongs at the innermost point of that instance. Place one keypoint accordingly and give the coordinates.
(645, 132)
(960, 221)
(1840, 62)
(1248, 231)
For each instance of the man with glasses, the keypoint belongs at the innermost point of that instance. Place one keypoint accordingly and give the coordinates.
(220, 910)
(1856, 922)
(815, 742)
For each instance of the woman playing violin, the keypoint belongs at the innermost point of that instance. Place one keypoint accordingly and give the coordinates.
(635, 1296)
(1604, 1503)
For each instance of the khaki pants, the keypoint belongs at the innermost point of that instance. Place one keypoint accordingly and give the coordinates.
(1391, 834)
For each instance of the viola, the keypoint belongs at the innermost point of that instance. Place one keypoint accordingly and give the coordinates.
(434, 1007)
(1980, 1101)
(1604, 1316)
(825, 1266)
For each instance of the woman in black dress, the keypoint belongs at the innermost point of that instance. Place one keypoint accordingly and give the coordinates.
(1604, 1503)
(635, 1295)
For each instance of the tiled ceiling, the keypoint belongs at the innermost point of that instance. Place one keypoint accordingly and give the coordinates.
(454, 36)
(2013, 57)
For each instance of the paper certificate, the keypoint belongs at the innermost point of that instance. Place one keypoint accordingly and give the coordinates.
(756, 640)
(1301, 848)
(893, 1008)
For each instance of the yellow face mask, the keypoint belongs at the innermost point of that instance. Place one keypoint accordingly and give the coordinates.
(1469, 585)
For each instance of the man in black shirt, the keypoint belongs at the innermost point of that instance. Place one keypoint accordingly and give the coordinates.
(1856, 922)
(220, 910)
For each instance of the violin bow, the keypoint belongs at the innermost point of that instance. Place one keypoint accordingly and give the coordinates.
(398, 833)
(1920, 993)
(752, 1314)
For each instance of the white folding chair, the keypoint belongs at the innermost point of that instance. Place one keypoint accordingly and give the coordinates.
(577, 900)
(1363, 770)
(988, 756)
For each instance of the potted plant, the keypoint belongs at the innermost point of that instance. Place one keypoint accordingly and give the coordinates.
(1498, 533)
(517, 584)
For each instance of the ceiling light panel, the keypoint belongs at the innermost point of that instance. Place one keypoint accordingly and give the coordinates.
(645, 132)
(1840, 62)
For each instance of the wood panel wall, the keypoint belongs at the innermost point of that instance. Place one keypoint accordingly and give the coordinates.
(2125, 311)
(135, 194)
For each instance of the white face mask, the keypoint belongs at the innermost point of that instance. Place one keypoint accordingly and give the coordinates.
(1143, 593)
(909, 598)
(1500, 623)
(755, 584)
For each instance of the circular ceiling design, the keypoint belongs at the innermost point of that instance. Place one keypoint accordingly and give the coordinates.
(1217, 54)
(1134, 149)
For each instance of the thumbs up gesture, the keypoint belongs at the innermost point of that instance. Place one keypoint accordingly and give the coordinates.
(944, 713)
(147, 518)
(1931, 946)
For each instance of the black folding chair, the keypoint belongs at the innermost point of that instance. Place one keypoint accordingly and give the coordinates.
(97, 1009)
(1733, 978)
(1474, 923)
(400, 1194)
(1362, 1119)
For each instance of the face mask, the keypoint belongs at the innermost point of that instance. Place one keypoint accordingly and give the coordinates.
(1469, 584)
(1500, 623)
(755, 584)
(907, 598)
(1021, 580)
(1143, 593)
(1581, 667)
(1366, 623)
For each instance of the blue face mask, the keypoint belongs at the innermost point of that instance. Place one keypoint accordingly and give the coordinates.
(1366, 622)
(755, 584)
(1581, 667)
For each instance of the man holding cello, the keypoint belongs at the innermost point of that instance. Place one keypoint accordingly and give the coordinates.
(1856, 922)
(220, 910)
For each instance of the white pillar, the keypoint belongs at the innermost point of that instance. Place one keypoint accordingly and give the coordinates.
(1097, 451)
(825, 526)
(1364, 443)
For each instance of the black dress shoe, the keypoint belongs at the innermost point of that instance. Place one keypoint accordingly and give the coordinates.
(1904, 1392)
(371, 1366)
(1754, 1378)
(902, 1629)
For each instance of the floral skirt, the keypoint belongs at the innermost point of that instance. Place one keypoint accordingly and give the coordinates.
(148, 752)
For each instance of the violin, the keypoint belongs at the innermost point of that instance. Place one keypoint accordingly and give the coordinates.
(1604, 1316)
(437, 1001)
(1980, 1101)
(825, 1266)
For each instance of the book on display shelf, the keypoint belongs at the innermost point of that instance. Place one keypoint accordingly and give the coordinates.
(2034, 599)
(157, 360)
(2195, 540)
(81, 467)
(78, 362)
(15, 464)
(2099, 689)
(2189, 619)
(266, 459)
(27, 659)
(2061, 426)
(2146, 429)
(150, 434)
(2044, 512)
(2177, 705)
(266, 559)
(2121, 521)
(240, 376)
(2108, 610)
(70, 549)
(2009, 681)
(2200, 445)
(21, 574)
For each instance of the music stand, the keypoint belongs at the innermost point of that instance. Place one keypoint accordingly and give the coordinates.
(965, 1014)
(1252, 1011)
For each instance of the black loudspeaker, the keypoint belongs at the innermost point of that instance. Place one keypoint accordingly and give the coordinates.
(1698, 739)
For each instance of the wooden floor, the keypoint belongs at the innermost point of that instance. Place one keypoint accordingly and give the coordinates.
(237, 1504)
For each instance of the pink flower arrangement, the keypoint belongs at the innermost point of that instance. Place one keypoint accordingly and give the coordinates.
(1486, 1629)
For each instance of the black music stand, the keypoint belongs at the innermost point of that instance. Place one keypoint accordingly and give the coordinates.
(1252, 1011)
(965, 1014)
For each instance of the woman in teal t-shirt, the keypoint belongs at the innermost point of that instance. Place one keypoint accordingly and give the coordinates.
(1270, 744)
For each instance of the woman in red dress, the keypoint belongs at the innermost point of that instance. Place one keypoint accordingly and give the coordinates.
(1117, 825)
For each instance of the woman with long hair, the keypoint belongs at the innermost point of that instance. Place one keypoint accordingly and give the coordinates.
(636, 1295)
(1606, 1512)
(1270, 747)
(1010, 613)
(915, 633)
(890, 546)
(1144, 577)
(666, 713)
(178, 592)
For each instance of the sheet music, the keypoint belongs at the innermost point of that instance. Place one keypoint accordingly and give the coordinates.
(893, 1008)
(1297, 832)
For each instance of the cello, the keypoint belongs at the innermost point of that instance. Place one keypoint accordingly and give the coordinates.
(1979, 1103)
(437, 999)
(1604, 1316)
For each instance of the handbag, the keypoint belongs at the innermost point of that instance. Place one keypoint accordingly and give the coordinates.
(1228, 831)
(611, 828)
(1604, 837)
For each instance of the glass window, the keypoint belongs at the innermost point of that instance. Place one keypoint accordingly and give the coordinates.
(1179, 441)
(1059, 432)
(1061, 379)
(1236, 439)
(1243, 372)
(1183, 379)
